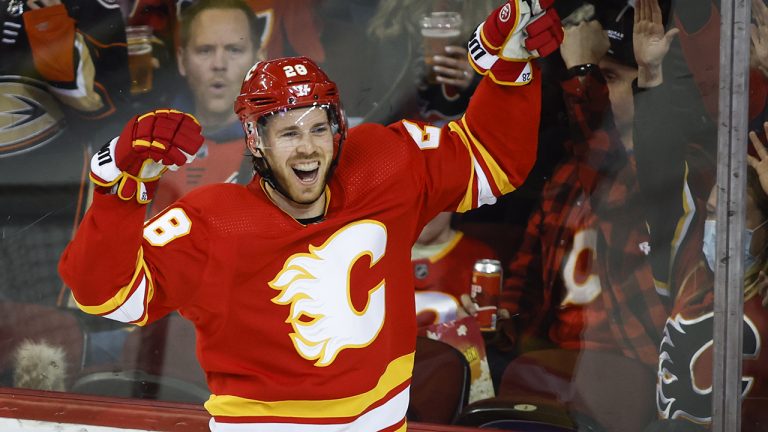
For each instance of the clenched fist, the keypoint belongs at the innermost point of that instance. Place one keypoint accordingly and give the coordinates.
(512, 35)
(131, 164)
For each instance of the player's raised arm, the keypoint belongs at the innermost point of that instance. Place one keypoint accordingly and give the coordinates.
(105, 264)
(492, 148)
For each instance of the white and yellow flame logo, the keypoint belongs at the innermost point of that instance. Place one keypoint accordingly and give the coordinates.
(317, 286)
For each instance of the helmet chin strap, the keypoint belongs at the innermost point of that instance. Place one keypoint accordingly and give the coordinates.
(265, 171)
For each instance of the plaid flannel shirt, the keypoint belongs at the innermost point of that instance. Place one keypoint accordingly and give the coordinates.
(585, 235)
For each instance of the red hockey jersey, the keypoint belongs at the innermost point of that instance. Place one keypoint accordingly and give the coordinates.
(301, 326)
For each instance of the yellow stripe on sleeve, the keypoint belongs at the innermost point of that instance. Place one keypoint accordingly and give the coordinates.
(498, 175)
(120, 298)
(467, 203)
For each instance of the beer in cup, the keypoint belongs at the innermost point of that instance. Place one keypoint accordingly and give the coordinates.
(140, 65)
(438, 30)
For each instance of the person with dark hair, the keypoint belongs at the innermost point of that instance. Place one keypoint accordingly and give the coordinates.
(579, 291)
(218, 43)
(298, 283)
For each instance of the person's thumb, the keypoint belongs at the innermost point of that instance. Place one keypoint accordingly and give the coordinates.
(671, 34)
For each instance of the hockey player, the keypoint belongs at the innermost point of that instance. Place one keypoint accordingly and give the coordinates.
(298, 283)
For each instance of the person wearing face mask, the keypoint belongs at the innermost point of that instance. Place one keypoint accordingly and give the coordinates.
(710, 233)
(683, 241)
(685, 355)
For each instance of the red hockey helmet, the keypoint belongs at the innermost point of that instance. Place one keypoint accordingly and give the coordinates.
(283, 84)
(287, 83)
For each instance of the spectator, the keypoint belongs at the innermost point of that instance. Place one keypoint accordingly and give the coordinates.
(684, 391)
(290, 27)
(389, 29)
(442, 260)
(312, 255)
(684, 388)
(580, 281)
(286, 27)
(218, 44)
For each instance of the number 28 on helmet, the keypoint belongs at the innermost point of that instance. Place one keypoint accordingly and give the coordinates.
(287, 83)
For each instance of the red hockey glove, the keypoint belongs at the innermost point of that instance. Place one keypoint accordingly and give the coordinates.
(511, 36)
(131, 164)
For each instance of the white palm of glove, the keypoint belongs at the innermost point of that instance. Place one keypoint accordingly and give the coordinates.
(104, 166)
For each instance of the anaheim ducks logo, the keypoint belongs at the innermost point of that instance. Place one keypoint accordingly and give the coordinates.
(29, 116)
(680, 393)
(317, 286)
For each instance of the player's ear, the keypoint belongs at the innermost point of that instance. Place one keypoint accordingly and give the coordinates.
(252, 139)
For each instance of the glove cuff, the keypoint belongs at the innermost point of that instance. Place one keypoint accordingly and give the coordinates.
(110, 180)
(501, 71)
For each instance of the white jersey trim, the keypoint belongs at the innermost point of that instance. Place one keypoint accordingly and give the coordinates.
(133, 308)
(484, 192)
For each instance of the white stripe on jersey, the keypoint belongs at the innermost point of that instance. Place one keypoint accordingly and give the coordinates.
(374, 420)
(484, 191)
(133, 308)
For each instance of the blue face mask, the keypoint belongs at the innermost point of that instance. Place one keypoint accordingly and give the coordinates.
(708, 246)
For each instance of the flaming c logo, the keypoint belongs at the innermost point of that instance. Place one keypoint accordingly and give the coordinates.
(317, 286)
(678, 392)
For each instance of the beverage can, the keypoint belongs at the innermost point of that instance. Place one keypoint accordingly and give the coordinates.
(485, 291)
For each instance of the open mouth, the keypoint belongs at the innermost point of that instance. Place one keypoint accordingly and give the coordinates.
(306, 172)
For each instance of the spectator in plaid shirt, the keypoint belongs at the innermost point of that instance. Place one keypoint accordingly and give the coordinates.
(581, 281)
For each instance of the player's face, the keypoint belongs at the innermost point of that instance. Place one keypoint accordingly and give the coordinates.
(299, 149)
(215, 60)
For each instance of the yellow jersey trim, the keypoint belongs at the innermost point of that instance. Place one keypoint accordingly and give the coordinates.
(119, 299)
(467, 203)
(499, 177)
(448, 248)
(398, 371)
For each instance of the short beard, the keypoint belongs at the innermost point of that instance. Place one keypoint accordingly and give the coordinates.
(279, 186)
